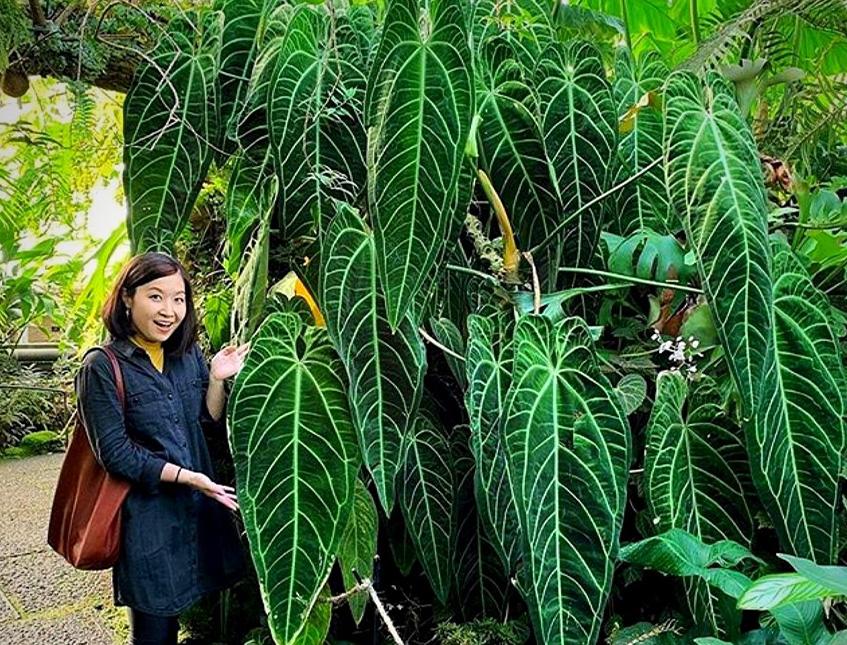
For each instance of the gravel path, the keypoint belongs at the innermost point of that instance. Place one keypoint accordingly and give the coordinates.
(43, 599)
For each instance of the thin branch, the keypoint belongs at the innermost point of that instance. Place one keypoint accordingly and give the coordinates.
(444, 349)
(473, 272)
(570, 218)
(344, 597)
(634, 280)
(536, 285)
(380, 608)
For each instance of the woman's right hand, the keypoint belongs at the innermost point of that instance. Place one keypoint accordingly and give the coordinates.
(223, 494)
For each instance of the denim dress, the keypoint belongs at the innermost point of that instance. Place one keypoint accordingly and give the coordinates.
(176, 543)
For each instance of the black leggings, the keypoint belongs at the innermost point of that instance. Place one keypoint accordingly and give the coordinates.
(147, 629)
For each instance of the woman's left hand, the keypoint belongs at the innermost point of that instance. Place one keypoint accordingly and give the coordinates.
(228, 362)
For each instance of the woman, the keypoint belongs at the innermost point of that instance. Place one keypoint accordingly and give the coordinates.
(178, 539)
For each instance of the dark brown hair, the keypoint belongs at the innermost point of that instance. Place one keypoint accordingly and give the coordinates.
(140, 270)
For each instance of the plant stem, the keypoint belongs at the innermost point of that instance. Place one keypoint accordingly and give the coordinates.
(625, 18)
(511, 255)
(433, 341)
(474, 272)
(536, 285)
(627, 278)
(695, 21)
(538, 247)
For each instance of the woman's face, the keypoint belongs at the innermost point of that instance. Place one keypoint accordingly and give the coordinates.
(158, 307)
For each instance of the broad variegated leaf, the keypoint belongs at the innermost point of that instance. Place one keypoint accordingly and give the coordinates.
(385, 368)
(489, 366)
(296, 459)
(637, 88)
(170, 127)
(481, 585)
(578, 122)
(448, 334)
(715, 183)
(696, 478)
(244, 29)
(419, 108)
(511, 147)
(568, 444)
(316, 628)
(526, 23)
(796, 442)
(358, 547)
(315, 118)
(251, 284)
(427, 491)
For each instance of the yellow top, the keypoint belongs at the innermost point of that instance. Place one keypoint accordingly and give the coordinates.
(154, 351)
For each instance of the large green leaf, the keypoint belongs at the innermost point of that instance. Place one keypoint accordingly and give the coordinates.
(427, 490)
(489, 365)
(314, 117)
(511, 147)
(715, 183)
(170, 126)
(568, 444)
(696, 479)
(358, 547)
(385, 369)
(797, 439)
(244, 31)
(578, 123)
(251, 284)
(419, 109)
(526, 24)
(481, 583)
(677, 552)
(643, 204)
(296, 460)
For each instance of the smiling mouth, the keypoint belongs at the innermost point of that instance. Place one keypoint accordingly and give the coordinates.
(164, 326)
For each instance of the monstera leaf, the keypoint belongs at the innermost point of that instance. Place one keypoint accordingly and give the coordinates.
(695, 476)
(315, 117)
(716, 185)
(170, 124)
(511, 147)
(489, 365)
(419, 108)
(385, 369)
(427, 491)
(569, 451)
(296, 460)
(644, 203)
(358, 547)
(577, 118)
(797, 439)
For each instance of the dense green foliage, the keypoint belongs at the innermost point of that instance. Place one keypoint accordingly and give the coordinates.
(400, 158)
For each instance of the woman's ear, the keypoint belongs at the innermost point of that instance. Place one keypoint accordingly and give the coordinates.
(127, 300)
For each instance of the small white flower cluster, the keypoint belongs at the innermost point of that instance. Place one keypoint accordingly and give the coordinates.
(682, 353)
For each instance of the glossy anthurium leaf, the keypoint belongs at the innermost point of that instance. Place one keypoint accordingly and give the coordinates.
(358, 547)
(385, 368)
(637, 88)
(427, 491)
(568, 444)
(419, 108)
(796, 441)
(314, 115)
(481, 585)
(579, 126)
(715, 183)
(296, 459)
(170, 127)
(696, 478)
(489, 366)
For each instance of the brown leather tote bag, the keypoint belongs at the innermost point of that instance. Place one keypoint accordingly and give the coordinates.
(85, 521)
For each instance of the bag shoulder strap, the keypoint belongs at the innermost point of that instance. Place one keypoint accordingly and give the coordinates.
(116, 371)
